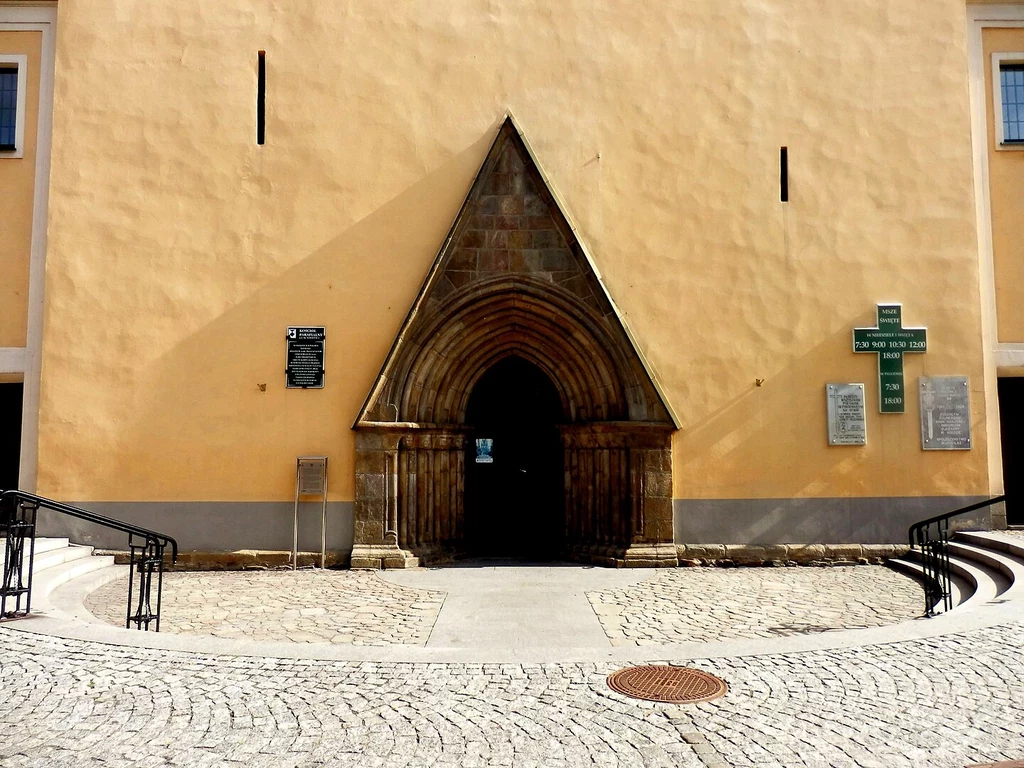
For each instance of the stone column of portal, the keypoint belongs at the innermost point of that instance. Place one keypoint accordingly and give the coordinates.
(653, 543)
(374, 538)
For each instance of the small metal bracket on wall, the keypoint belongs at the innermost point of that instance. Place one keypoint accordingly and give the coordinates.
(310, 480)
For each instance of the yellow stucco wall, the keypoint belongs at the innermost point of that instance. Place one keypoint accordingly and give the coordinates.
(1006, 187)
(17, 183)
(180, 250)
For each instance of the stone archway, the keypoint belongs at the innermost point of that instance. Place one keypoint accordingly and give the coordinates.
(513, 280)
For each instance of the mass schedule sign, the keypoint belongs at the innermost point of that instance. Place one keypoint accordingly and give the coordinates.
(890, 340)
(305, 368)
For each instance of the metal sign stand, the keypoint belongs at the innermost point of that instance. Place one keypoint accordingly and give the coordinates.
(310, 480)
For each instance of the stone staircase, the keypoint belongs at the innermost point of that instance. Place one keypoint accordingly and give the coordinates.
(57, 561)
(986, 567)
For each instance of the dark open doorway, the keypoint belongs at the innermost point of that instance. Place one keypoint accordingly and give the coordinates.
(10, 436)
(514, 485)
(1011, 422)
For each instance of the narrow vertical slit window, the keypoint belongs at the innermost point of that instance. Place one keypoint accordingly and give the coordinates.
(261, 97)
(8, 108)
(784, 174)
(1011, 85)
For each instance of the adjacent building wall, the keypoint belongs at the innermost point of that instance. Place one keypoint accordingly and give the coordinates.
(1006, 190)
(27, 37)
(17, 187)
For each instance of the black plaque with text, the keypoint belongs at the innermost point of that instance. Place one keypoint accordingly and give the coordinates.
(305, 358)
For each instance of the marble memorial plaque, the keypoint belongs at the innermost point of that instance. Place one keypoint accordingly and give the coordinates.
(846, 419)
(945, 413)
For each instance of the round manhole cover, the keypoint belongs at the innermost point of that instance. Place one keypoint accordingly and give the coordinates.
(672, 685)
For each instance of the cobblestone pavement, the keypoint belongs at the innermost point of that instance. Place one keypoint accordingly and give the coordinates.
(939, 703)
(306, 606)
(361, 608)
(705, 604)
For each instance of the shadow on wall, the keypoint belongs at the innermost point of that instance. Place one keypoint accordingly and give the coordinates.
(204, 434)
(200, 431)
(780, 481)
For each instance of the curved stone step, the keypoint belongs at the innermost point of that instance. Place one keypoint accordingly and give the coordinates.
(1011, 569)
(54, 557)
(43, 545)
(60, 566)
(46, 580)
(69, 597)
(56, 561)
(1011, 545)
(984, 583)
(959, 589)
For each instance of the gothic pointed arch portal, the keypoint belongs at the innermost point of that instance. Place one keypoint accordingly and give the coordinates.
(512, 281)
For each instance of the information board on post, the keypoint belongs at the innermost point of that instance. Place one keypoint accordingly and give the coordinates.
(310, 480)
(305, 357)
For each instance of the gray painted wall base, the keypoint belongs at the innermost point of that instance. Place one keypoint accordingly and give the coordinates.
(210, 526)
(872, 520)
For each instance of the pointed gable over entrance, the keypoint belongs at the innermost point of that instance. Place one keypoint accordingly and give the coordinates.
(512, 280)
(511, 241)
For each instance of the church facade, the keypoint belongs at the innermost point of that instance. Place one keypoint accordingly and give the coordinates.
(613, 284)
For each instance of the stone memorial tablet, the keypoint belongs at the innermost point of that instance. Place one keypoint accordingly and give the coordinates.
(846, 419)
(305, 367)
(945, 413)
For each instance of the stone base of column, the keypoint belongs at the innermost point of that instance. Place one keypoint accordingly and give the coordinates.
(649, 556)
(380, 556)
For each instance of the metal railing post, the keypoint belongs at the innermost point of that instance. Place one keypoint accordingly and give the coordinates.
(18, 514)
(935, 554)
(19, 524)
(159, 581)
(145, 560)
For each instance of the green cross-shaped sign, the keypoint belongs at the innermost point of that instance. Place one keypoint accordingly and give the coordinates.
(890, 340)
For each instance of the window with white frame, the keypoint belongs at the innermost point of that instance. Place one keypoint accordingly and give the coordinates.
(1008, 99)
(1011, 77)
(12, 104)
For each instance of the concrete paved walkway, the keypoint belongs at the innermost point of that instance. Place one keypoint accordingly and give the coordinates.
(510, 605)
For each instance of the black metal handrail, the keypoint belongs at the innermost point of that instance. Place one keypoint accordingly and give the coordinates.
(934, 551)
(18, 511)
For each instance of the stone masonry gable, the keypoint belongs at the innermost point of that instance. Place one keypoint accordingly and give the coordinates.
(511, 276)
(512, 226)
